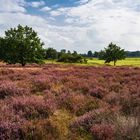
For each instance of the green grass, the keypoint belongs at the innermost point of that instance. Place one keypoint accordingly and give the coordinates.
(96, 62)
(125, 62)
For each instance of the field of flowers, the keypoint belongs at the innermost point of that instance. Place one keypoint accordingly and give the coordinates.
(63, 102)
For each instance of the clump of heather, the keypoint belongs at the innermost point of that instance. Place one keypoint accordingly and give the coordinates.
(33, 107)
(69, 102)
(41, 83)
(8, 89)
(103, 131)
(10, 130)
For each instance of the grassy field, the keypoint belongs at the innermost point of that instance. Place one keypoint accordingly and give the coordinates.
(126, 62)
(96, 62)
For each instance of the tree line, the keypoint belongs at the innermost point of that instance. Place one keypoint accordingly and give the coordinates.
(22, 45)
(95, 54)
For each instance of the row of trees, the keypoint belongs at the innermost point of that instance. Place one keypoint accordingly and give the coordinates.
(95, 54)
(22, 45)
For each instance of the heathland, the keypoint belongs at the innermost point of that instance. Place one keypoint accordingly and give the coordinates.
(70, 102)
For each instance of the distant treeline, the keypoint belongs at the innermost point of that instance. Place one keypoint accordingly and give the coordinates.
(96, 54)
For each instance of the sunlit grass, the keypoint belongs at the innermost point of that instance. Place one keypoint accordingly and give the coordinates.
(125, 62)
(96, 62)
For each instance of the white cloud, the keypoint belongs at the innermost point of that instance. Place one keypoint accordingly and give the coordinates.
(12, 6)
(45, 9)
(89, 26)
(107, 20)
(36, 4)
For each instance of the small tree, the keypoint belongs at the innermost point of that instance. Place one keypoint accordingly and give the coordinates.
(22, 45)
(112, 53)
(90, 54)
(51, 54)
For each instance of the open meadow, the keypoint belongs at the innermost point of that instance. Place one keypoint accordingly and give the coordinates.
(96, 62)
(66, 102)
(125, 62)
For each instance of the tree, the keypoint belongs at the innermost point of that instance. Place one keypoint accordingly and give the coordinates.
(89, 54)
(22, 45)
(112, 53)
(96, 54)
(51, 54)
(70, 57)
(1, 48)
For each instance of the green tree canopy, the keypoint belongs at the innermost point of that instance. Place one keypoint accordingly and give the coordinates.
(21, 45)
(51, 53)
(112, 53)
(90, 54)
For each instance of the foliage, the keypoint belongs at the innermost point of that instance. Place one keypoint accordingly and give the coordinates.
(21, 45)
(103, 132)
(70, 58)
(112, 53)
(90, 54)
(51, 53)
(133, 54)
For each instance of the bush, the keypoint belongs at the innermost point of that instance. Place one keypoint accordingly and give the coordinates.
(8, 89)
(70, 58)
(33, 107)
(103, 131)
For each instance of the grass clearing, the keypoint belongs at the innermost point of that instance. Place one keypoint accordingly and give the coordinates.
(95, 62)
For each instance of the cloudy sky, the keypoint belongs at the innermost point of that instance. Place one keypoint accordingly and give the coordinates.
(79, 25)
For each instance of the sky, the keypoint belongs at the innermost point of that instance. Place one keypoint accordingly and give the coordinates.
(79, 25)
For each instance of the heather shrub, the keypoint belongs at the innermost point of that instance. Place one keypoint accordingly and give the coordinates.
(84, 123)
(32, 107)
(88, 119)
(8, 88)
(97, 92)
(116, 87)
(41, 83)
(5, 71)
(103, 131)
(69, 103)
(130, 104)
(10, 123)
(127, 127)
(112, 98)
(39, 130)
(82, 104)
(65, 101)
(10, 130)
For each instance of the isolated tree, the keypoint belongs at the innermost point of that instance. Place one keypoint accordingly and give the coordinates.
(22, 45)
(69, 52)
(112, 53)
(89, 54)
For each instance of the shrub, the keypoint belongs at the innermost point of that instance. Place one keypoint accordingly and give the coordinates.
(41, 83)
(97, 92)
(39, 130)
(33, 107)
(10, 130)
(8, 89)
(103, 131)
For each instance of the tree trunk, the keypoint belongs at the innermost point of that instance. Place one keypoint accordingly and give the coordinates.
(23, 64)
(114, 62)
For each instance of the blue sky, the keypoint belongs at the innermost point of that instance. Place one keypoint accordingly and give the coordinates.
(79, 25)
